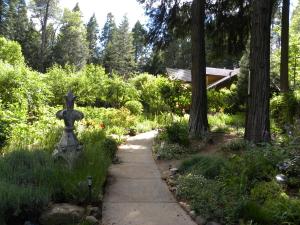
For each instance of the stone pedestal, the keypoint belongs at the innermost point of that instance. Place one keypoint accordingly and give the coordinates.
(68, 149)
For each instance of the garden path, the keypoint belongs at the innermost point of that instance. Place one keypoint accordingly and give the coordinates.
(135, 193)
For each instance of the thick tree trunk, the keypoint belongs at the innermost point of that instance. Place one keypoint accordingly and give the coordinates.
(198, 124)
(257, 119)
(284, 64)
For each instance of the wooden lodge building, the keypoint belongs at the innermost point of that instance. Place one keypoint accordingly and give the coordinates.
(215, 77)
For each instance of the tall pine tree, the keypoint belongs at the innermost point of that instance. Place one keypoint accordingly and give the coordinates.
(92, 38)
(3, 10)
(44, 10)
(139, 40)
(118, 52)
(72, 46)
(122, 41)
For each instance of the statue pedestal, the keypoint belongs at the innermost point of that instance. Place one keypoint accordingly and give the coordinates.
(68, 149)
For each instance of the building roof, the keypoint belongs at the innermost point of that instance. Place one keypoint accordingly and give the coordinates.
(186, 76)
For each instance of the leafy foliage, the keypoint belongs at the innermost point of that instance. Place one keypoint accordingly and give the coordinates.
(135, 107)
(237, 188)
(10, 52)
(284, 108)
(72, 46)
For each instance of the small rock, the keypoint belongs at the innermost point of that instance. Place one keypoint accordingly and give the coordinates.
(91, 220)
(193, 214)
(174, 171)
(213, 223)
(200, 220)
(188, 207)
(173, 189)
(182, 204)
(62, 214)
(165, 175)
(171, 182)
(94, 211)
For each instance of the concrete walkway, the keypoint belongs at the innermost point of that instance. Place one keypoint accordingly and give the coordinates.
(135, 193)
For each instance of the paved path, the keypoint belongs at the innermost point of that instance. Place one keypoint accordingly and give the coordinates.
(135, 193)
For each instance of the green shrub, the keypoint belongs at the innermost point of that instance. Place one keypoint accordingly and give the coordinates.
(28, 181)
(135, 107)
(280, 210)
(226, 122)
(235, 145)
(160, 94)
(284, 108)
(203, 195)
(41, 134)
(172, 151)
(113, 121)
(264, 191)
(229, 190)
(10, 52)
(253, 166)
(94, 162)
(178, 133)
(207, 166)
(110, 146)
(283, 210)
(223, 100)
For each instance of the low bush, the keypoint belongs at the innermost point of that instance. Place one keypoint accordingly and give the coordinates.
(264, 191)
(207, 166)
(235, 145)
(178, 133)
(223, 100)
(238, 188)
(172, 151)
(10, 52)
(31, 179)
(226, 122)
(28, 181)
(284, 108)
(135, 107)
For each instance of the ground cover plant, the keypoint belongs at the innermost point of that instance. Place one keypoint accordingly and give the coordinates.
(240, 188)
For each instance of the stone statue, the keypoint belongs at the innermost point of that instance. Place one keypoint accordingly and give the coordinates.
(68, 147)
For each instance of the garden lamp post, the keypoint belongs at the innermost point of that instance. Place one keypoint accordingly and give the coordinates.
(90, 183)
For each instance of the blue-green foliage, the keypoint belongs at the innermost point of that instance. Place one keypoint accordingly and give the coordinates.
(238, 188)
(30, 179)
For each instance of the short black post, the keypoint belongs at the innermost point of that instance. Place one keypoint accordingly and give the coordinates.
(90, 182)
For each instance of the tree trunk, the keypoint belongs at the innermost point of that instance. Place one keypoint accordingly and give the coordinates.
(198, 124)
(284, 64)
(257, 119)
(44, 38)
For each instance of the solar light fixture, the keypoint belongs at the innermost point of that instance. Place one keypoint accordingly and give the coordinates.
(280, 178)
(90, 183)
